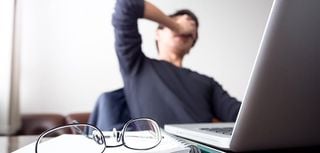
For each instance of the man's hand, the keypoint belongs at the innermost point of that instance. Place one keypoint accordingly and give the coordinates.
(153, 13)
(186, 26)
(183, 26)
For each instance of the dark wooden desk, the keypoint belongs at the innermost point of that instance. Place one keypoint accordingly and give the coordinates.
(315, 149)
(293, 150)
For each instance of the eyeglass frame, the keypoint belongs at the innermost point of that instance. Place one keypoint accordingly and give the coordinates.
(119, 134)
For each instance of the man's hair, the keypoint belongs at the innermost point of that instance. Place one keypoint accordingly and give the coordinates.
(179, 13)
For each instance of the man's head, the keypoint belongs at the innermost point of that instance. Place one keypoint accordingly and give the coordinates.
(168, 40)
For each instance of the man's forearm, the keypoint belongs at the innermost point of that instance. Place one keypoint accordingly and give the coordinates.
(151, 12)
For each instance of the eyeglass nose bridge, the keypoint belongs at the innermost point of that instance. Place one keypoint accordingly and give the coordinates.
(116, 134)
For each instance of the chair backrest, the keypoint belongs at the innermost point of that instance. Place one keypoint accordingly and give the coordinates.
(111, 111)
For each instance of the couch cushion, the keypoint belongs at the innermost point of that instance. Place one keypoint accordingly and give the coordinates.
(34, 124)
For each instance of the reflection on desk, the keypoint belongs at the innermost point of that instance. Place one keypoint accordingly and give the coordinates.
(11, 143)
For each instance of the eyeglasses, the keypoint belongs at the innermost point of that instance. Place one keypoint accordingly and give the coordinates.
(136, 134)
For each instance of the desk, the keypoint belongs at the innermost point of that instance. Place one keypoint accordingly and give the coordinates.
(11, 143)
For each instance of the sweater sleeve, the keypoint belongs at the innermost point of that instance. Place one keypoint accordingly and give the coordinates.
(127, 38)
(225, 107)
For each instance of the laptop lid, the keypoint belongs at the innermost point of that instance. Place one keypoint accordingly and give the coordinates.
(281, 104)
(282, 101)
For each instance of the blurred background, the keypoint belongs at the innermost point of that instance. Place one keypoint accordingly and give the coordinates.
(66, 57)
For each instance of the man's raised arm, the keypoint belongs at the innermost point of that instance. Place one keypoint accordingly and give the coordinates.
(127, 38)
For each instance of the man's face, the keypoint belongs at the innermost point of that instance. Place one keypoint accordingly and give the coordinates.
(180, 44)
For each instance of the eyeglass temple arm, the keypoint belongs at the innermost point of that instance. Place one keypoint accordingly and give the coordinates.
(77, 129)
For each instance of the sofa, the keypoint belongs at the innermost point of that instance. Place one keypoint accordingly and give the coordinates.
(35, 124)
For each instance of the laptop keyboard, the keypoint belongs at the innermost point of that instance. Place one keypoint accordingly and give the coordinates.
(225, 131)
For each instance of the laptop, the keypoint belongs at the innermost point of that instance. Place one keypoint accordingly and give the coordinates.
(281, 106)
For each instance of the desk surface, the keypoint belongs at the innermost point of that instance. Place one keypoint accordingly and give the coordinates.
(12, 143)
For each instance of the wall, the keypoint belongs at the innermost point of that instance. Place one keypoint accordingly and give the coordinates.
(68, 55)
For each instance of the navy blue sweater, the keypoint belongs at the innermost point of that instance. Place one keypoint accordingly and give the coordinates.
(158, 89)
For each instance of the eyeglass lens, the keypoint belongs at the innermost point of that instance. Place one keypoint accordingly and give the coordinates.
(141, 134)
(73, 138)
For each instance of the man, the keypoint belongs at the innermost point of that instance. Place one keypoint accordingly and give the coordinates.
(162, 89)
